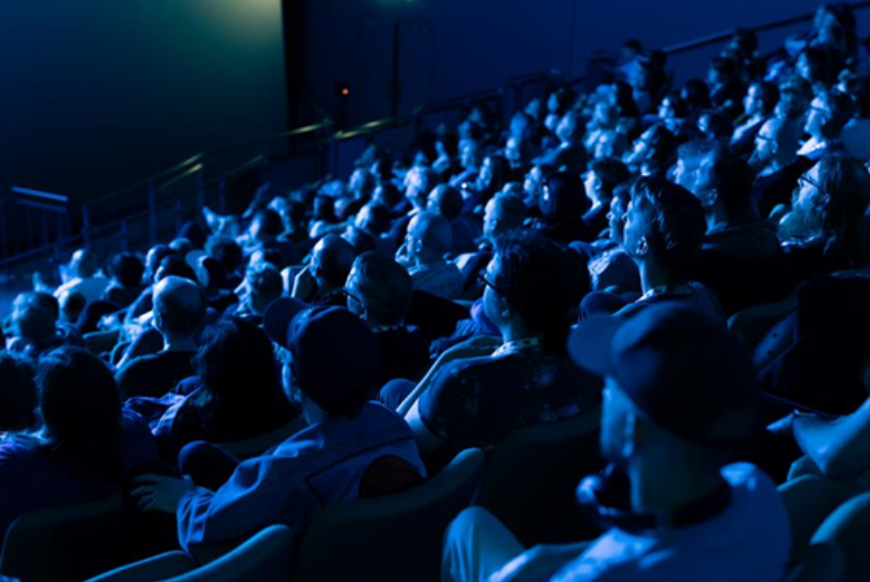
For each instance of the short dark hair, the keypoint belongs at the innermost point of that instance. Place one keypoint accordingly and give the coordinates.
(719, 125)
(270, 221)
(611, 173)
(769, 95)
(696, 94)
(18, 398)
(265, 282)
(733, 178)
(567, 197)
(451, 201)
(846, 181)
(177, 266)
(225, 250)
(663, 144)
(386, 285)
(177, 317)
(542, 281)
(842, 108)
(858, 88)
(676, 224)
(127, 268)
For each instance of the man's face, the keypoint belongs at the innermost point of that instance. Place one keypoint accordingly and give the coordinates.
(513, 151)
(489, 219)
(617, 419)
(765, 146)
(354, 294)
(634, 231)
(616, 219)
(492, 302)
(806, 217)
(752, 101)
(639, 151)
(532, 183)
(705, 183)
(468, 157)
(666, 110)
(415, 189)
(485, 174)
(816, 117)
(686, 173)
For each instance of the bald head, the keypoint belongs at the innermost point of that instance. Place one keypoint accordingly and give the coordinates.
(331, 261)
(446, 201)
(381, 289)
(179, 307)
(429, 238)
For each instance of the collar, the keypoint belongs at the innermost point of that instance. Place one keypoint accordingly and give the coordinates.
(517, 346)
(681, 289)
(385, 328)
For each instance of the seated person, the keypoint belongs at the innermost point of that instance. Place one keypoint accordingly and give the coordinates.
(379, 291)
(261, 287)
(329, 372)
(673, 508)
(741, 258)
(611, 269)
(776, 163)
(758, 106)
(826, 231)
(447, 201)
(563, 203)
(239, 396)
(829, 113)
(18, 398)
(89, 447)
(689, 156)
(569, 154)
(321, 282)
(533, 288)
(653, 153)
(663, 232)
(602, 178)
(428, 241)
(34, 327)
(125, 285)
(84, 276)
(179, 314)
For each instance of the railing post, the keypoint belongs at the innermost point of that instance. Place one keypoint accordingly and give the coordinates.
(152, 214)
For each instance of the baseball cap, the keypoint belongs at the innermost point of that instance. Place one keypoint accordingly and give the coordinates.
(278, 316)
(683, 370)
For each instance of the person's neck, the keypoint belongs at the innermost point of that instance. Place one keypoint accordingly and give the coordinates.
(312, 413)
(178, 344)
(716, 217)
(653, 491)
(513, 331)
(651, 276)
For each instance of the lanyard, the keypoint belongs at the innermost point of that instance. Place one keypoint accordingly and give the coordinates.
(517, 345)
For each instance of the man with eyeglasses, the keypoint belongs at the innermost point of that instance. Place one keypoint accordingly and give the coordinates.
(829, 113)
(429, 239)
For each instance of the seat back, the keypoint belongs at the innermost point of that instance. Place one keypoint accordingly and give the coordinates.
(755, 323)
(809, 500)
(392, 538)
(66, 543)
(820, 562)
(531, 477)
(848, 527)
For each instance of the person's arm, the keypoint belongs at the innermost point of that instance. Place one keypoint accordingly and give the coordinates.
(427, 441)
(841, 447)
(539, 563)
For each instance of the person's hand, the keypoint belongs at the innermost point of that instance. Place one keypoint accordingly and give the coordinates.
(161, 493)
(304, 285)
(783, 427)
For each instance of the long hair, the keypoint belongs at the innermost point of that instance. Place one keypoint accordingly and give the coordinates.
(846, 184)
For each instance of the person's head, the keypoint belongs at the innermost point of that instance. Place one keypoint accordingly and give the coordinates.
(378, 290)
(155, 256)
(127, 270)
(795, 95)
(673, 107)
(173, 265)
(447, 146)
(533, 287)
(815, 64)
(605, 115)
(516, 151)
(71, 305)
(179, 308)
(858, 88)
(266, 225)
(560, 101)
(373, 219)
(715, 125)
(533, 182)
(181, 246)
(210, 273)
(361, 183)
(830, 203)
(332, 364)
(603, 176)
(761, 99)
(680, 396)
(263, 285)
(470, 154)
(80, 408)
(689, 156)
(226, 251)
(724, 184)
(622, 95)
(331, 260)
(446, 201)
(428, 239)
(493, 174)
(40, 299)
(618, 208)
(723, 71)
(829, 113)
(83, 264)
(570, 127)
(18, 398)
(654, 151)
(696, 94)
(237, 366)
(776, 144)
(745, 41)
(504, 212)
(419, 181)
(563, 197)
(388, 194)
(35, 326)
(664, 227)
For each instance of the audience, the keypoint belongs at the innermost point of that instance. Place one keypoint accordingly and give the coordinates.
(427, 243)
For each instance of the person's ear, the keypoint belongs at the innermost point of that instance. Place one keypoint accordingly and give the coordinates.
(824, 200)
(642, 247)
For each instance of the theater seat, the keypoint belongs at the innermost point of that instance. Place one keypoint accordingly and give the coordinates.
(848, 527)
(820, 562)
(756, 325)
(65, 544)
(265, 557)
(395, 538)
(809, 500)
(531, 477)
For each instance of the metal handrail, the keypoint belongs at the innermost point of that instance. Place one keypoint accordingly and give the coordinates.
(724, 36)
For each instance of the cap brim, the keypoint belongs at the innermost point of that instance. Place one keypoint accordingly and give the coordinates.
(590, 343)
(279, 315)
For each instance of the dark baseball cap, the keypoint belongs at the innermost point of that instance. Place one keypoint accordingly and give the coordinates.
(278, 316)
(683, 370)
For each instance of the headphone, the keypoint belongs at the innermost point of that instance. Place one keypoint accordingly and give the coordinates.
(605, 498)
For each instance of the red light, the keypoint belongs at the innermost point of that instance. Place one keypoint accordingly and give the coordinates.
(345, 91)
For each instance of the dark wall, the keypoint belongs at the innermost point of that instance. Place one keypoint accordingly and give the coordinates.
(100, 93)
(452, 47)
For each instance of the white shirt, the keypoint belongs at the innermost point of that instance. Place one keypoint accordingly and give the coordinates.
(90, 287)
(749, 542)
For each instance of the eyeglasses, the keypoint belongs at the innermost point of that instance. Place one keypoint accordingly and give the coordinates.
(347, 293)
(805, 180)
(819, 109)
(486, 282)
